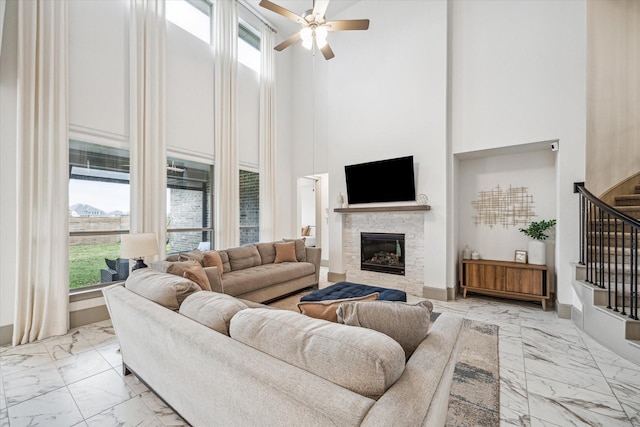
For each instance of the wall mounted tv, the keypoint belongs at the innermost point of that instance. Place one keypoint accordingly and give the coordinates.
(389, 180)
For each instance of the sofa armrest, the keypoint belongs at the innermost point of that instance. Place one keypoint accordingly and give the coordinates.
(314, 256)
(214, 279)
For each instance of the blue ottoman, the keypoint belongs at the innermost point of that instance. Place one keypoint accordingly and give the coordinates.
(342, 290)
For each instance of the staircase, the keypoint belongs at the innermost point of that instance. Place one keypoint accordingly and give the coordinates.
(606, 279)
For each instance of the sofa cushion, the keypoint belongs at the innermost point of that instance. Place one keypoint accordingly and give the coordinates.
(267, 252)
(301, 249)
(244, 257)
(361, 360)
(327, 310)
(168, 290)
(247, 280)
(212, 259)
(408, 324)
(285, 252)
(212, 309)
(194, 254)
(226, 267)
(197, 274)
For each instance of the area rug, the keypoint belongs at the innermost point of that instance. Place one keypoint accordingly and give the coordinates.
(475, 393)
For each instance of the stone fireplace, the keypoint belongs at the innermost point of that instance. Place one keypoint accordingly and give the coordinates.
(410, 223)
(382, 252)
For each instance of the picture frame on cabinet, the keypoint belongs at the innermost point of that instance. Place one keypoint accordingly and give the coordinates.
(520, 256)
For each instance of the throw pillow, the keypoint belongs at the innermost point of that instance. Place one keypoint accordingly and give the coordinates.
(301, 249)
(179, 267)
(195, 255)
(212, 259)
(197, 274)
(408, 324)
(285, 252)
(327, 309)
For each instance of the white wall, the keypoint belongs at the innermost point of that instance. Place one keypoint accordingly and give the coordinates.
(386, 97)
(518, 76)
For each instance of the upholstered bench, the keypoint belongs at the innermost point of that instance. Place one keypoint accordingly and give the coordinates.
(343, 290)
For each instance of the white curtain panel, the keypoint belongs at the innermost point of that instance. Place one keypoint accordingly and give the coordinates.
(226, 185)
(147, 120)
(267, 135)
(42, 258)
(3, 6)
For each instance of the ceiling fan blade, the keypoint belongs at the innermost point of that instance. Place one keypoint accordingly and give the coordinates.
(282, 11)
(327, 52)
(294, 38)
(348, 24)
(320, 7)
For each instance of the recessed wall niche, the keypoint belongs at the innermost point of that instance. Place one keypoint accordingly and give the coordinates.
(521, 184)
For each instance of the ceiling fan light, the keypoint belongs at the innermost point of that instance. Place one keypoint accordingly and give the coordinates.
(321, 42)
(306, 34)
(321, 32)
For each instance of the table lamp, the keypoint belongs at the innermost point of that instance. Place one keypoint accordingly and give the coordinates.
(137, 246)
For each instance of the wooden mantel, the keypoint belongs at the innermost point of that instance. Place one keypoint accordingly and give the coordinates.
(384, 209)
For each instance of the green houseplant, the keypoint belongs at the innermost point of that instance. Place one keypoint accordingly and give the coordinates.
(537, 248)
(536, 230)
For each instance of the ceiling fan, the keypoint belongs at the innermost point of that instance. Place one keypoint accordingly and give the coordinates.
(315, 27)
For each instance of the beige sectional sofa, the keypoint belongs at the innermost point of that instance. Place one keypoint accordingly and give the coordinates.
(249, 272)
(221, 361)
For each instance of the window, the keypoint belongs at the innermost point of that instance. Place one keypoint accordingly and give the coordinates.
(98, 213)
(193, 16)
(189, 207)
(249, 207)
(249, 47)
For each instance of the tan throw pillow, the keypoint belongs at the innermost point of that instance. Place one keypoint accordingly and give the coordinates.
(196, 273)
(327, 309)
(285, 252)
(408, 324)
(212, 259)
(179, 267)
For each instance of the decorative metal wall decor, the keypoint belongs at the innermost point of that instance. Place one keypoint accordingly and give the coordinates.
(508, 208)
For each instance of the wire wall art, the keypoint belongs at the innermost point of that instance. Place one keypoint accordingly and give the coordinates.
(508, 208)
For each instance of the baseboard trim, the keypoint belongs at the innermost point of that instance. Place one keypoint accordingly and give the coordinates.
(6, 334)
(88, 315)
(438, 294)
(563, 310)
(336, 277)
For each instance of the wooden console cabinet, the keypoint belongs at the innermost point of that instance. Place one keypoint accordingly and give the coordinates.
(506, 279)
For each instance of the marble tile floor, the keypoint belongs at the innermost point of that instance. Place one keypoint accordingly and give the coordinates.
(551, 374)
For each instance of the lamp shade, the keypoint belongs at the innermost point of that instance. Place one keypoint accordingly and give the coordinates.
(138, 245)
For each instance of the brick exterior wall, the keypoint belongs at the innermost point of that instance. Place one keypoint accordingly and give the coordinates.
(249, 207)
(411, 224)
(186, 212)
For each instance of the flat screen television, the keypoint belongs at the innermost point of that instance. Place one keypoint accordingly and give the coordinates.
(389, 180)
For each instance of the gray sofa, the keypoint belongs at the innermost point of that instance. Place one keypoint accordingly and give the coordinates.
(249, 272)
(220, 362)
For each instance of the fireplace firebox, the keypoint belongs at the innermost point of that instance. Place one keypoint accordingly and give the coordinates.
(382, 252)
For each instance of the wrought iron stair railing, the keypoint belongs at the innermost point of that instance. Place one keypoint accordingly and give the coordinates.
(609, 251)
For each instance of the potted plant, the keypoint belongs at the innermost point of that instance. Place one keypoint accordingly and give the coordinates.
(537, 232)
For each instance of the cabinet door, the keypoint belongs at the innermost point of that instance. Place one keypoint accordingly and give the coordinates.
(485, 276)
(524, 281)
